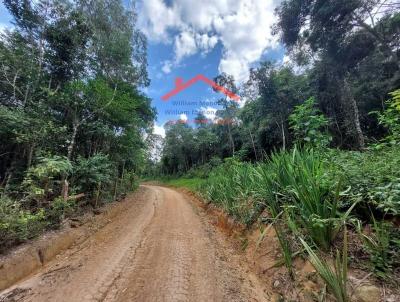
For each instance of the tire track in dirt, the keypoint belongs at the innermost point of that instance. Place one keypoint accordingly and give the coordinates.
(159, 249)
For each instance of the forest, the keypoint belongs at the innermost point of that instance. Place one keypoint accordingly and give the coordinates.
(73, 119)
(311, 150)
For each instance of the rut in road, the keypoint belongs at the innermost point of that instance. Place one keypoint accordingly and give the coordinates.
(158, 249)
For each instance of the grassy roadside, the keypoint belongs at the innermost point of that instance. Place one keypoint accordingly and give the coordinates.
(191, 184)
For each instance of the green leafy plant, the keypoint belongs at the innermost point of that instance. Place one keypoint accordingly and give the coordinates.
(92, 174)
(232, 187)
(336, 278)
(59, 210)
(390, 118)
(43, 178)
(309, 125)
(299, 179)
(370, 181)
(383, 245)
(18, 225)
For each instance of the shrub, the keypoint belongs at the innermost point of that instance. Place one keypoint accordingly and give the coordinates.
(127, 183)
(372, 179)
(18, 225)
(93, 173)
(309, 125)
(59, 209)
(390, 118)
(42, 179)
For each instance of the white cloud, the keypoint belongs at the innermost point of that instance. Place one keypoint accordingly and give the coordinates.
(185, 45)
(206, 42)
(155, 18)
(183, 117)
(242, 26)
(167, 66)
(160, 130)
(209, 112)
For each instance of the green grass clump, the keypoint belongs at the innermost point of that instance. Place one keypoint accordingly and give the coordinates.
(336, 278)
(232, 187)
(188, 183)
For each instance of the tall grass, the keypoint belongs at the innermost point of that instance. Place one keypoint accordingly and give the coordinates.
(232, 186)
(302, 199)
(335, 279)
(297, 179)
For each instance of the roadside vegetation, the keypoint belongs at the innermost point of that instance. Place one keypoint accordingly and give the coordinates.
(314, 151)
(73, 120)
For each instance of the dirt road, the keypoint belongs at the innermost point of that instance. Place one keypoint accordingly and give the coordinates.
(161, 248)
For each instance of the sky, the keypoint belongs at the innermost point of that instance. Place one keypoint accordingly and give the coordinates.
(191, 37)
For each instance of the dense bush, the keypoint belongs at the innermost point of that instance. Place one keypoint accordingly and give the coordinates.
(58, 210)
(18, 225)
(92, 174)
(42, 180)
(371, 178)
(70, 122)
(309, 126)
(390, 118)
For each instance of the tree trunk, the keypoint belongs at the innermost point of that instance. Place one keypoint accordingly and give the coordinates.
(70, 150)
(31, 148)
(254, 146)
(73, 138)
(283, 135)
(352, 115)
(231, 139)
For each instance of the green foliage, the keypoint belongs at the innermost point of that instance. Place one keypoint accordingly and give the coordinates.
(18, 225)
(390, 118)
(73, 117)
(189, 183)
(336, 279)
(128, 183)
(231, 186)
(299, 179)
(60, 209)
(383, 246)
(92, 173)
(372, 178)
(309, 126)
(41, 179)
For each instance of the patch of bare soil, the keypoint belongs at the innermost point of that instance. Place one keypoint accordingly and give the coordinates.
(158, 246)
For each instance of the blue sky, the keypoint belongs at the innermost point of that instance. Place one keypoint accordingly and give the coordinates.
(198, 96)
(190, 37)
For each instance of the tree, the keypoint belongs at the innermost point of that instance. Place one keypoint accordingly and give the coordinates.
(326, 27)
(69, 78)
(278, 91)
(309, 125)
(119, 48)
